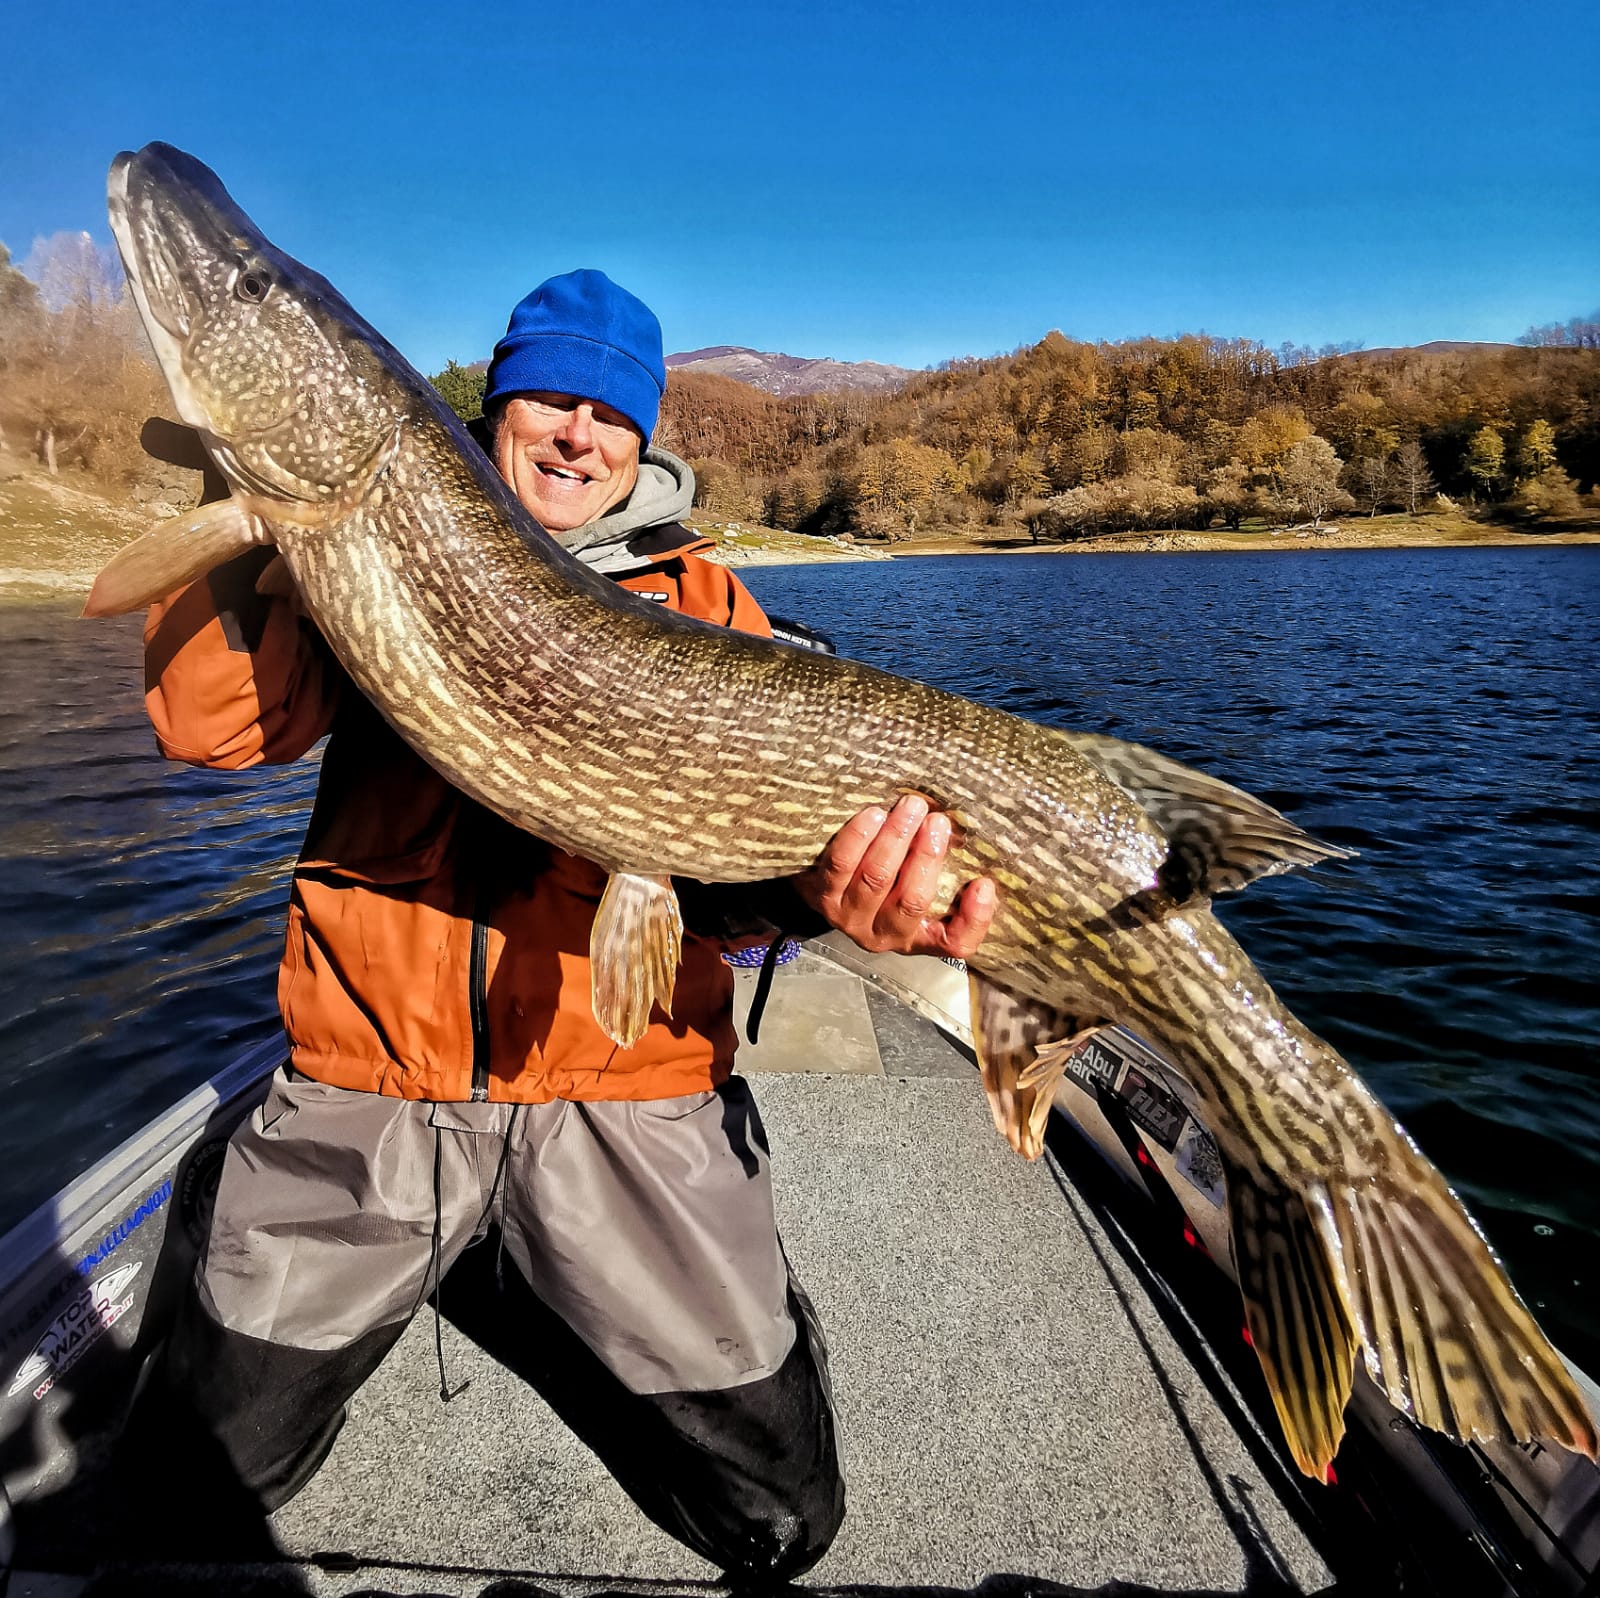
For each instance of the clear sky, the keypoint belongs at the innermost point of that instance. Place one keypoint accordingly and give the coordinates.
(871, 181)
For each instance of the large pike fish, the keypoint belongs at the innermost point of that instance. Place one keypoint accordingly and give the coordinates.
(659, 746)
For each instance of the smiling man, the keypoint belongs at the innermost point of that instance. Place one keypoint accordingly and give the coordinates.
(446, 1075)
(572, 394)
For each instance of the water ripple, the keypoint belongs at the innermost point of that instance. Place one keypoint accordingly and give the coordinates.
(1434, 710)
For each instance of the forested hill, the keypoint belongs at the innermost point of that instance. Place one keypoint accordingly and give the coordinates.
(1072, 438)
(1062, 437)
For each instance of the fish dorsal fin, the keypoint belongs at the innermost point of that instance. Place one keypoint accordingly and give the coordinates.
(1022, 1049)
(633, 954)
(1219, 837)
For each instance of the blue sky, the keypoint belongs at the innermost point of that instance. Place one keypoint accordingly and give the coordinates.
(887, 182)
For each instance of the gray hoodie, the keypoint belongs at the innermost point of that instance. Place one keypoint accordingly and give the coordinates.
(663, 495)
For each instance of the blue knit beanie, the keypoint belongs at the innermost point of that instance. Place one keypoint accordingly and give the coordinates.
(580, 334)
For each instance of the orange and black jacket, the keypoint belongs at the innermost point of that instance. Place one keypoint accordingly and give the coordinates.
(433, 951)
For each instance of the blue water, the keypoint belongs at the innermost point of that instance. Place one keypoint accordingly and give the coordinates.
(1438, 710)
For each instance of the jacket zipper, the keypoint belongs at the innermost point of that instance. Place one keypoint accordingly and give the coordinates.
(478, 1005)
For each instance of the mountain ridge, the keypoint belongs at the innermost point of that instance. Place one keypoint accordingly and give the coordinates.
(783, 375)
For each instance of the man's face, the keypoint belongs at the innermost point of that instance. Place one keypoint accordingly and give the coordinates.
(568, 459)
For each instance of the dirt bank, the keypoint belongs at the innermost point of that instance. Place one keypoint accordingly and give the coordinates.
(1445, 530)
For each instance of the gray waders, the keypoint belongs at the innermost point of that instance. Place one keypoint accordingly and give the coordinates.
(655, 1312)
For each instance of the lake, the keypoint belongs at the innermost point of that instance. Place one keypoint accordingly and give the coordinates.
(1437, 710)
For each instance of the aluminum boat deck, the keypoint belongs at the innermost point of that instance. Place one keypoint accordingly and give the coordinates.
(1019, 1412)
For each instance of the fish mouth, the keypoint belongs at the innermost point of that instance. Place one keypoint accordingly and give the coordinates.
(172, 219)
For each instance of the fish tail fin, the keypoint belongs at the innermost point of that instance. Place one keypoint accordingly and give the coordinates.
(1446, 1336)
(1401, 1271)
(1296, 1312)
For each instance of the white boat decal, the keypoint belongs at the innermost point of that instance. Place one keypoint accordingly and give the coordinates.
(79, 1326)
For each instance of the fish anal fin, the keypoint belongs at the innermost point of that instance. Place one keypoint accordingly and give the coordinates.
(1295, 1308)
(633, 954)
(172, 555)
(1022, 1049)
(1447, 1338)
(1219, 837)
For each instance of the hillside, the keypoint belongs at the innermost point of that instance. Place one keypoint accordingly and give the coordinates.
(1067, 440)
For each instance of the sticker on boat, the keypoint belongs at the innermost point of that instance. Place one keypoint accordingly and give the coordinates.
(76, 1329)
(1198, 1160)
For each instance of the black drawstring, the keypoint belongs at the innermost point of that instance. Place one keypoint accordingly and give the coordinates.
(438, 1286)
(758, 1002)
(495, 1187)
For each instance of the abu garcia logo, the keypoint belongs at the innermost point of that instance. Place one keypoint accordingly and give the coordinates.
(76, 1329)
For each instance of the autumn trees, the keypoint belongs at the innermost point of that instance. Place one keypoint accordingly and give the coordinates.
(1068, 438)
(1062, 437)
(76, 377)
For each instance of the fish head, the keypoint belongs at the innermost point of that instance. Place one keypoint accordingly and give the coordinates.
(290, 390)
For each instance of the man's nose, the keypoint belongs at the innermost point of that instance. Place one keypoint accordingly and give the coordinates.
(578, 430)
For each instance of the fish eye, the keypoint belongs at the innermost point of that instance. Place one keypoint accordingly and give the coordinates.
(252, 285)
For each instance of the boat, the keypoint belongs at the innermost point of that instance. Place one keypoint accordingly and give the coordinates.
(1041, 1374)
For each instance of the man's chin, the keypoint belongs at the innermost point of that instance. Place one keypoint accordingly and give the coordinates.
(558, 517)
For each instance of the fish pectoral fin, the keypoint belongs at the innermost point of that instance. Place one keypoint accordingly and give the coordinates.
(172, 555)
(1219, 838)
(1446, 1336)
(1022, 1049)
(1296, 1311)
(633, 954)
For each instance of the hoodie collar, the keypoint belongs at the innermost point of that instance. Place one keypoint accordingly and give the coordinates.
(663, 494)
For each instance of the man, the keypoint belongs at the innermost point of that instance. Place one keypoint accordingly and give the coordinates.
(446, 1076)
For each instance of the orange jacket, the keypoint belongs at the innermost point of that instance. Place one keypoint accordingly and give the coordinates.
(433, 951)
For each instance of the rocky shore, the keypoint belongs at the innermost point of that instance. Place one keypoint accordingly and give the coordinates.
(768, 546)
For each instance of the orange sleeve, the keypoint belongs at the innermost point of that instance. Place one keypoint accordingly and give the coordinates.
(235, 679)
(713, 593)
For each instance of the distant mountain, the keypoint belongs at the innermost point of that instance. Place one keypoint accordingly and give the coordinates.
(790, 374)
(1442, 346)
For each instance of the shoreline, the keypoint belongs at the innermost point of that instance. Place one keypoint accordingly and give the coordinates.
(56, 533)
(788, 549)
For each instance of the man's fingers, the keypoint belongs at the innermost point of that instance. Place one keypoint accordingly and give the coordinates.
(970, 918)
(879, 877)
(918, 879)
(837, 868)
(879, 869)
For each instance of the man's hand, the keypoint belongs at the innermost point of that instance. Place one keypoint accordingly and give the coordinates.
(876, 881)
